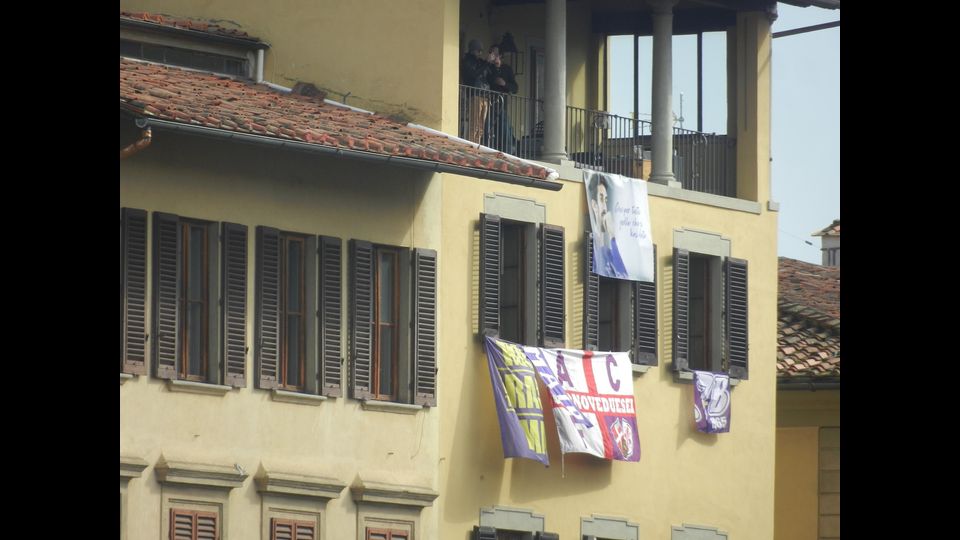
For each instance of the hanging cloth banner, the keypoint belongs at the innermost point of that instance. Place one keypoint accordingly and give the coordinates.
(600, 387)
(591, 395)
(620, 223)
(711, 402)
(517, 398)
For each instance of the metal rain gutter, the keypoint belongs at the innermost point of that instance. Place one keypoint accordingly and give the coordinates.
(811, 384)
(434, 166)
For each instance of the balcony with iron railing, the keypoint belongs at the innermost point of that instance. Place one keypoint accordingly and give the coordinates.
(704, 162)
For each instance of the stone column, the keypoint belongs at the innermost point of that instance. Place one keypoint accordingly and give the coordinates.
(555, 83)
(662, 152)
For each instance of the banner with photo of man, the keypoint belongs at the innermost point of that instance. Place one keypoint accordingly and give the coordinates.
(620, 223)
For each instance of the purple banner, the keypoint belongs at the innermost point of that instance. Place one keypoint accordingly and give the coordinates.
(711, 402)
(517, 397)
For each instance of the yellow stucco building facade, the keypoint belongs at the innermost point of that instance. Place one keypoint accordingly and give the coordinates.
(256, 462)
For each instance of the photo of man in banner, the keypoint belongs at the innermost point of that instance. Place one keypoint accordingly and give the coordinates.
(620, 223)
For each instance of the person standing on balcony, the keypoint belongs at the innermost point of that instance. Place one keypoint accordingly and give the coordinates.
(475, 73)
(501, 80)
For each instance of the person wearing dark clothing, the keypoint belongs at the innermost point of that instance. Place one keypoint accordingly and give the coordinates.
(475, 72)
(501, 79)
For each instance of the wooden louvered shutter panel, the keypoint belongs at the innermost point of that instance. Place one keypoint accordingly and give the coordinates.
(134, 245)
(547, 536)
(166, 281)
(268, 306)
(425, 327)
(591, 298)
(330, 314)
(645, 319)
(489, 275)
(484, 533)
(681, 309)
(361, 318)
(207, 526)
(736, 314)
(305, 531)
(552, 315)
(234, 295)
(281, 529)
(182, 524)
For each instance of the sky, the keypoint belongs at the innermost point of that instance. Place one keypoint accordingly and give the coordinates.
(805, 144)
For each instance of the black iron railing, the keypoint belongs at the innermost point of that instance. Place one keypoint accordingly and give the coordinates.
(505, 122)
(704, 162)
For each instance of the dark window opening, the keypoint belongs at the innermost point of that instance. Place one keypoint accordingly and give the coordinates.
(184, 58)
(292, 314)
(194, 296)
(699, 321)
(386, 323)
(511, 282)
(608, 310)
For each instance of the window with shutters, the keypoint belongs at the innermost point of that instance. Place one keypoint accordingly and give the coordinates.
(709, 313)
(298, 312)
(199, 300)
(193, 525)
(292, 529)
(522, 281)
(619, 315)
(393, 300)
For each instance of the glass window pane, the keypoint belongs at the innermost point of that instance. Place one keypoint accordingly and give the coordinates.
(386, 360)
(195, 338)
(387, 268)
(294, 286)
(293, 350)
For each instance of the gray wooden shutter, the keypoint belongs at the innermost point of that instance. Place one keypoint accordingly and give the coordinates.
(361, 318)
(484, 533)
(268, 307)
(133, 328)
(330, 315)
(645, 319)
(736, 317)
(166, 282)
(552, 314)
(591, 298)
(425, 327)
(234, 298)
(681, 308)
(490, 274)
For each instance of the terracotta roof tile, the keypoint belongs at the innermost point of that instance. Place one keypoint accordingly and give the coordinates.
(221, 102)
(188, 24)
(808, 325)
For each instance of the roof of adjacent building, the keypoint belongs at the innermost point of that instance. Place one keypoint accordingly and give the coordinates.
(187, 24)
(808, 320)
(832, 229)
(223, 103)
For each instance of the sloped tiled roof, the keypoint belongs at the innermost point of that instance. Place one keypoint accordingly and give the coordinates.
(808, 321)
(223, 103)
(187, 24)
(830, 230)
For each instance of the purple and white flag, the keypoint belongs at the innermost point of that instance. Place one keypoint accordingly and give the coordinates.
(517, 397)
(711, 401)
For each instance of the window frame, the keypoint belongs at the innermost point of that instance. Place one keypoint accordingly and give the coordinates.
(728, 316)
(283, 383)
(376, 370)
(225, 319)
(208, 284)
